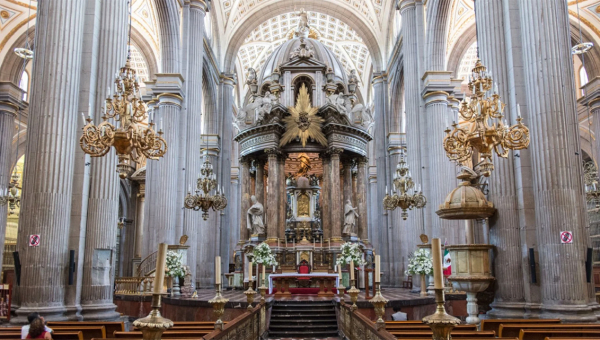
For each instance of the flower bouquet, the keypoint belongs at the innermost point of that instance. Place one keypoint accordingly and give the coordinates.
(420, 263)
(350, 252)
(175, 266)
(263, 255)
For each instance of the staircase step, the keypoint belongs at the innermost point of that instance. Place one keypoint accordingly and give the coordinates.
(314, 321)
(295, 316)
(304, 334)
(303, 319)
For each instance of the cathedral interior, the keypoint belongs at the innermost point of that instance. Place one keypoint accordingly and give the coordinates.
(332, 169)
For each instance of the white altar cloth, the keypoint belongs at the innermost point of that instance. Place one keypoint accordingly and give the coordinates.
(337, 278)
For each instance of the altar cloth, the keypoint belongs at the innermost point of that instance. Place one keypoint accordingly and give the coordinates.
(337, 278)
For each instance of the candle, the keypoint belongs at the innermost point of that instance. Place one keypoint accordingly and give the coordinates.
(329, 241)
(278, 242)
(263, 272)
(519, 110)
(351, 270)
(83, 118)
(159, 273)
(218, 270)
(377, 268)
(250, 272)
(438, 277)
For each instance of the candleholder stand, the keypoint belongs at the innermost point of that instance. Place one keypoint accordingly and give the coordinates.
(441, 323)
(379, 302)
(340, 291)
(263, 291)
(250, 294)
(154, 324)
(353, 292)
(218, 304)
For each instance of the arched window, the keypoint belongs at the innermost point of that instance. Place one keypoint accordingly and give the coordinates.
(24, 84)
(583, 79)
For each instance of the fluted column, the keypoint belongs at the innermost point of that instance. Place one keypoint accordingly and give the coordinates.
(46, 200)
(557, 185)
(103, 202)
(273, 199)
(325, 196)
(509, 300)
(361, 198)
(412, 95)
(282, 196)
(336, 205)
(245, 198)
(139, 221)
(8, 113)
(193, 23)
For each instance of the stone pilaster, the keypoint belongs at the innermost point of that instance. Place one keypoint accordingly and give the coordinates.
(193, 25)
(46, 200)
(325, 196)
(557, 185)
(8, 113)
(335, 194)
(509, 298)
(273, 198)
(103, 203)
(162, 176)
(245, 198)
(139, 221)
(361, 198)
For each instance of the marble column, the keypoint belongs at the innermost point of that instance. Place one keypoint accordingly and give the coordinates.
(557, 185)
(273, 199)
(46, 199)
(259, 184)
(103, 202)
(245, 198)
(347, 173)
(282, 196)
(336, 195)
(139, 221)
(325, 196)
(361, 198)
(509, 299)
(8, 113)
(193, 26)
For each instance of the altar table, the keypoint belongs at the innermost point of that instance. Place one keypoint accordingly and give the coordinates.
(325, 282)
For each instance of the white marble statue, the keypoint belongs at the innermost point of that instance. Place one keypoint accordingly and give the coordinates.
(251, 76)
(260, 107)
(349, 219)
(254, 218)
(353, 78)
(302, 21)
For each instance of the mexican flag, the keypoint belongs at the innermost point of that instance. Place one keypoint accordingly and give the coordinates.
(447, 263)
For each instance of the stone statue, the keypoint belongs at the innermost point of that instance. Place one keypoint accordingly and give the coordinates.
(302, 22)
(290, 181)
(254, 218)
(251, 76)
(314, 180)
(261, 106)
(352, 78)
(350, 218)
(339, 101)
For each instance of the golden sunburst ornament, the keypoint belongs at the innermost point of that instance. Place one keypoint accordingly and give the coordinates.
(303, 122)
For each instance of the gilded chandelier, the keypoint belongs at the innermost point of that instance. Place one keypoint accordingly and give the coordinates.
(404, 195)
(207, 182)
(485, 132)
(130, 138)
(11, 195)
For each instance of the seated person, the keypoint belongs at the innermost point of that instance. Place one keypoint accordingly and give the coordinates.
(37, 330)
(31, 317)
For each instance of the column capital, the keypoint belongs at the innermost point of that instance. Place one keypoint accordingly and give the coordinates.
(362, 161)
(11, 97)
(379, 77)
(435, 81)
(274, 153)
(334, 152)
(228, 79)
(167, 88)
(199, 5)
(436, 97)
(403, 5)
(245, 161)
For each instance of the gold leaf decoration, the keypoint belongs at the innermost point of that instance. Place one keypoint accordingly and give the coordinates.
(303, 121)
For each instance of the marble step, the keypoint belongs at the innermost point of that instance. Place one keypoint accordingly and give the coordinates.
(303, 323)
(303, 334)
(296, 315)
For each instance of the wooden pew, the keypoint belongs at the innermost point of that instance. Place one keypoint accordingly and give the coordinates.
(513, 330)
(10, 335)
(419, 327)
(165, 335)
(494, 325)
(529, 334)
(68, 336)
(89, 332)
(111, 326)
(10, 330)
(455, 334)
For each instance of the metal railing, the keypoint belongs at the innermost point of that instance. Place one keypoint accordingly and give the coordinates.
(356, 326)
(252, 325)
(133, 285)
(147, 265)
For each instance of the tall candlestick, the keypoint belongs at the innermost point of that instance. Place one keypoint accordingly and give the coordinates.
(436, 252)
(250, 272)
(264, 275)
(351, 270)
(218, 270)
(339, 270)
(377, 268)
(159, 273)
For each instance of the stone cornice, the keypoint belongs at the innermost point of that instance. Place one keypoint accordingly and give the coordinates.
(333, 127)
(276, 127)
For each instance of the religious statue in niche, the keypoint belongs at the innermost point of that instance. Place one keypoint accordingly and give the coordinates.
(254, 218)
(251, 76)
(349, 219)
(303, 205)
(352, 78)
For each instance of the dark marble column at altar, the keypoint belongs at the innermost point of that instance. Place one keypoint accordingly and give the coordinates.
(336, 196)
(273, 199)
(282, 197)
(361, 197)
(46, 199)
(325, 196)
(557, 185)
(245, 197)
(259, 183)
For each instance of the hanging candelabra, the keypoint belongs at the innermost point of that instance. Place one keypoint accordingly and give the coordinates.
(484, 130)
(26, 52)
(583, 46)
(11, 195)
(204, 199)
(130, 138)
(404, 195)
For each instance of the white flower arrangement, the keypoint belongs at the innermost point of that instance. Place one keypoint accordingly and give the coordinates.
(175, 266)
(420, 263)
(263, 255)
(350, 252)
